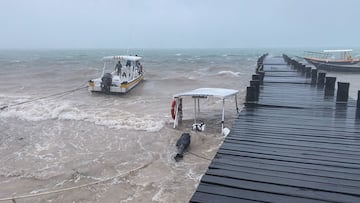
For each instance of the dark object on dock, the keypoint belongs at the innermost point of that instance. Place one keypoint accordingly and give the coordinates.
(330, 86)
(342, 92)
(182, 144)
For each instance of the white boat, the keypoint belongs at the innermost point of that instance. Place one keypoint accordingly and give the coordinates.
(333, 60)
(197, 94)
(120, 74)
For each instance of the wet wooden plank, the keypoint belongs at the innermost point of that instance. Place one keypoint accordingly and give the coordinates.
(282, 170)
(287, 180)
(254, 195)
(208, 197)
(292, 158)
(285, 190)
(297, 153)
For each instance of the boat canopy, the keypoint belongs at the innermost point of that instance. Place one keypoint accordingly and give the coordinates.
(204, 93)
(338, 50)
(118, 58)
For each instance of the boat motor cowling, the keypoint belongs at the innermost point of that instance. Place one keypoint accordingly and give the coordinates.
(106, 82)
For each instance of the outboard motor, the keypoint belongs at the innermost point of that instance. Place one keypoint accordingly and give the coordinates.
(106, 82)
(182, 144)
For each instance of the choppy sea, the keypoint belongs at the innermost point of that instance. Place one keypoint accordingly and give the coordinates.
(79, 137)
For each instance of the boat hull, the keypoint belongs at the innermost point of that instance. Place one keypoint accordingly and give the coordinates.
(335, 66)
(122, 87)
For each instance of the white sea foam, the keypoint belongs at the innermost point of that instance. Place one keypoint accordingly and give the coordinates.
(64, 110)
(158, 196)
(231, 73)
(125, 120)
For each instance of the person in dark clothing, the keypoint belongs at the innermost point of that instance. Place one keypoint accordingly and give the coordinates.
(128, 63)
(118, 68)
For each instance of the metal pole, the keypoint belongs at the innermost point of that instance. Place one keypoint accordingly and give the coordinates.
(237, 108)
(198, 100)
(176, 112)
(194, 110)
(223, 116)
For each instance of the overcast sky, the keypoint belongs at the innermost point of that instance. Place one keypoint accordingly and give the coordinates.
(33, 24)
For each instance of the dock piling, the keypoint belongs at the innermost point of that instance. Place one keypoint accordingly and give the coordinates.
(330, 86)
(262, 75)
(256, 85)
(250, 94)
(314, 76)
(342, 92)
(255, 77)
(358, 100)
(321, 79)
(303, 67)
(307, 72)
(358, 106)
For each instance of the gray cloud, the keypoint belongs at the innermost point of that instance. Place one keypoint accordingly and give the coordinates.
(178, 23)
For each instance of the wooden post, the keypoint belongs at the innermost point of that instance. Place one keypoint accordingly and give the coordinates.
(321, 79)
(357, 116)
(330, 86)
(256, 77)
(302, 69)
(293, 63)
(313, 76)
(307, 72)
(250, 94)
(262, 75)
(342, 92)
(358, 100)
(256, 85)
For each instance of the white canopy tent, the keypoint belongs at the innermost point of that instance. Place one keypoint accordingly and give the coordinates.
(204, 93)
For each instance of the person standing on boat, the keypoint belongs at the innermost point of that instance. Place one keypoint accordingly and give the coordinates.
(128, 63)
(118, 68)
(139, 67)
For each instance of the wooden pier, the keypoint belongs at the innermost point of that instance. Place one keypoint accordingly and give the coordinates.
(296, 140)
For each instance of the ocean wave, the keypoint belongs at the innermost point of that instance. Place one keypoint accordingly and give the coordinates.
(231, 73)
(64, 110)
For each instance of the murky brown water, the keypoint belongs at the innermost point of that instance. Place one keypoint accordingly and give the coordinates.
(80, 138)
